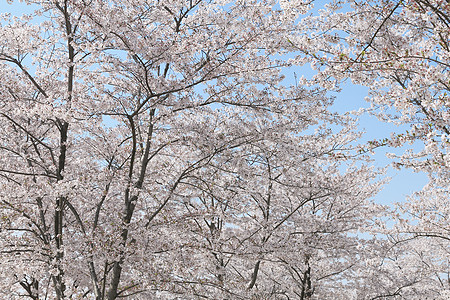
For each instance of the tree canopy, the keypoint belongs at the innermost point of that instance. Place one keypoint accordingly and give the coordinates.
(155, 150)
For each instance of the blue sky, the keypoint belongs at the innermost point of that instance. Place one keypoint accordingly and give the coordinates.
(403, 183)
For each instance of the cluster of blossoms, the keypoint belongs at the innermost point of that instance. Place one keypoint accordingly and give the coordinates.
(152, 149)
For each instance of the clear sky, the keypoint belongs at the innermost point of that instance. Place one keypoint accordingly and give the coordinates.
(403, 183)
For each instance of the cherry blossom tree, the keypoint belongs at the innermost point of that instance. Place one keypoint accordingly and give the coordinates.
(400, 49)
(152, 150)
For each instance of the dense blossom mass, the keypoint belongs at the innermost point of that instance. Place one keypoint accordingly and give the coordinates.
(155, 150)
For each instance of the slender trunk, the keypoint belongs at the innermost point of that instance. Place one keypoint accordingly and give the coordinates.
(306, 285)
(63, 127)
(254, 275)
(266, 214)
(59, 214)
(130, 202)
(117, 268)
